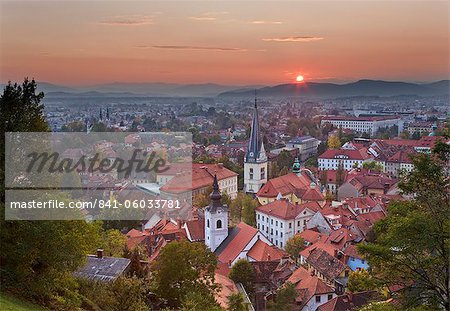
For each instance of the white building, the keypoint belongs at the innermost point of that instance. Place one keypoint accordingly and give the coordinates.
(369, 125)
(280, 220)
(347, 158)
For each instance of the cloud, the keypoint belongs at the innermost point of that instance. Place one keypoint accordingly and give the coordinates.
(192, 47)
(208, 16)
(294, 39)
(131, 20)
(261, 22)
(203, 18)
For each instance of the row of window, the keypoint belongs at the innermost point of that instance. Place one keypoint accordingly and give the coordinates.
(262, 173)
(218, 224)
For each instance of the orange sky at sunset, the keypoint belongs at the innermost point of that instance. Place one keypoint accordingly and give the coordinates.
(80, 43)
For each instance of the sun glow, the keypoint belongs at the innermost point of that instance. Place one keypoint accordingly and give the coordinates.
(299, 78)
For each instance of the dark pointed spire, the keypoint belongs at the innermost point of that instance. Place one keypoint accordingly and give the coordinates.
(215, 195)
(254, 144)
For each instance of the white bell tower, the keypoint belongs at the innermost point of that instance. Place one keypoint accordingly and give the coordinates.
(216, 219)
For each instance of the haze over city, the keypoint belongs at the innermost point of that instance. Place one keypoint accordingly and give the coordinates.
(237, 43)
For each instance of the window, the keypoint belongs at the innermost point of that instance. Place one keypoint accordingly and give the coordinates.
(276, 223)
(317, 298)
(263, 173)
(363, 261)
(263, 227)
(281, 234)
(298, 223)
(219, 224)
(259, 217)
(251, 173)
(290, 225)
(330, 296)
(281, 244)
(207, 223)
(271, 221)
(276, 232)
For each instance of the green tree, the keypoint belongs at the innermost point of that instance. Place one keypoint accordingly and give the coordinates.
(198, 301)
(249, 206)
(359, 281)
(114, 243)
(285, 299)
(236, 302)
(373, 166)
(294, 246)
(243, 272)
(181, 268)
(411, 246)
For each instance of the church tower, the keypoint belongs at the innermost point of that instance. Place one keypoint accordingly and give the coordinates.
(255, 161)
(216, 219)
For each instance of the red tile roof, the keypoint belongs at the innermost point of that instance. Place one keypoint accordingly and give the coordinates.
(284, 209)
(201, 176)
(312, 236)
(235, 243)
(285, 184)
(308, 285)
(196, 229)
(261, 251)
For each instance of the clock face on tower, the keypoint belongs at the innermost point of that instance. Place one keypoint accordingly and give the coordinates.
(251, 154)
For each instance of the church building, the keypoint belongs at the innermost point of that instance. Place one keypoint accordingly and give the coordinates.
(255, 161)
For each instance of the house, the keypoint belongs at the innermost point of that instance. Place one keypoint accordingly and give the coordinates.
(328, 268)
(188, 184)
(365, 183)
(354, 260)
(333, 159)
(280, 220)
(311, 290)
(350, 301)
(102, 268)
(295, 187)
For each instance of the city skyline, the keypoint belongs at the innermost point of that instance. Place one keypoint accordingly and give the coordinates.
(236, 43)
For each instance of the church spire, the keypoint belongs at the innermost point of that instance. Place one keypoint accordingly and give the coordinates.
(215, 195)
(254, 144)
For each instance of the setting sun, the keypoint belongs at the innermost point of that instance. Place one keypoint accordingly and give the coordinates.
(299, 78)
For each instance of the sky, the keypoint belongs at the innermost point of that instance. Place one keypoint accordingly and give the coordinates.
(237, 43)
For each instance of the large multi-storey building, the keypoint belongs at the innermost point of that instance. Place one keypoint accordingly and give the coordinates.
(333, 159)
(368, 125)
(280, 220)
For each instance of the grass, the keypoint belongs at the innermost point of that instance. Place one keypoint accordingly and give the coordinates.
(11, 303)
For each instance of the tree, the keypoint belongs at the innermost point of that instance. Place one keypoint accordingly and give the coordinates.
(183, 267)
(373, 166)
(411, 246)
(37, 258)
(115, 243)
(294, 246)
(243, 272)
(285, 298)
(334, 142)
(198, 301)
(249, 206)
(359, 281)
(236, 302)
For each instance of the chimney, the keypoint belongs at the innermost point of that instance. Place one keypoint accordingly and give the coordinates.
(99, 253)
(386, 188)
(229, 263)
(268, 257)
(220, 165)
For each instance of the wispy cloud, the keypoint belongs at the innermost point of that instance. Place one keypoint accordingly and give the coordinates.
(130, 20)
(294, 39)
(203, 18)
(208, 16)
(192, 47)
(262, 22)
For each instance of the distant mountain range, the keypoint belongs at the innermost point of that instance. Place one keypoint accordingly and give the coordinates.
(359, 88)
(306, 89)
